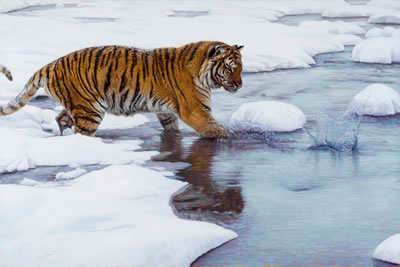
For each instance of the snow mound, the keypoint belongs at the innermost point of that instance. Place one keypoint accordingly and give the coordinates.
(376, 100)
(389, 250)
(118, 216)
(383, 50)
(385, 32)
(270, 116)
(385, 18)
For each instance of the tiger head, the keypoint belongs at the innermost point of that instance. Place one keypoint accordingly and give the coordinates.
(222, 68)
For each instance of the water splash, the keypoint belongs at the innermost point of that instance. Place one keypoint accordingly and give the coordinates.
(340, 134)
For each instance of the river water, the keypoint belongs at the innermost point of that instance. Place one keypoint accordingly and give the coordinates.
(290, 205)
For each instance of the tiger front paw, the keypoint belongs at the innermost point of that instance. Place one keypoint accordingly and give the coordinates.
(215, 131)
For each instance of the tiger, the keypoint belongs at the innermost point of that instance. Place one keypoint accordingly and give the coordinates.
(173, 82)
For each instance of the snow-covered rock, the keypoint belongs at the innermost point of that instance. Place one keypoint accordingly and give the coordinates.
(376, 100)
(384, 50)
(118, 216)
(393, 18)
(267, 116)
(389, 250)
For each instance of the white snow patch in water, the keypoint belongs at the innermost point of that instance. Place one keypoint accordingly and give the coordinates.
(70, 174)
(267, 116)
(385, 50)
(118, 216)
(28, 182)
(389, 250)
(376, 100)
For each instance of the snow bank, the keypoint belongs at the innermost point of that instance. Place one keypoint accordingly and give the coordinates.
(27, 141)
(270, 116)
(118, 216)
(389, 250)
(383, 50)
(385, 18)
(376, 100)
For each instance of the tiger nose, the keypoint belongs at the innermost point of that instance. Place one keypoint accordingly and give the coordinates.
(238, 84)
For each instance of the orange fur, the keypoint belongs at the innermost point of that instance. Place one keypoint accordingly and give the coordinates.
(172, 82)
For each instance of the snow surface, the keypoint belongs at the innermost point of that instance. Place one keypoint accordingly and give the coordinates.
(376, 100)
(268, 46)
(389, 250)
(27, 141)
(118, 216)
(267, 116)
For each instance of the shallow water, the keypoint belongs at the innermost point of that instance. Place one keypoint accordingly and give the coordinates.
(290, 205)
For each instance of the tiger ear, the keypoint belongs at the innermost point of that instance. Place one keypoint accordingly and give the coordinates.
(238, 47)
(216, 50)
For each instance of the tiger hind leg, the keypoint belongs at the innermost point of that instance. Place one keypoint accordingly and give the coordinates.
(86, 123)
(64, 121)
(169, 121)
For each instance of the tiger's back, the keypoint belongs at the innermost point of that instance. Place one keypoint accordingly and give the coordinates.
(123, 80)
